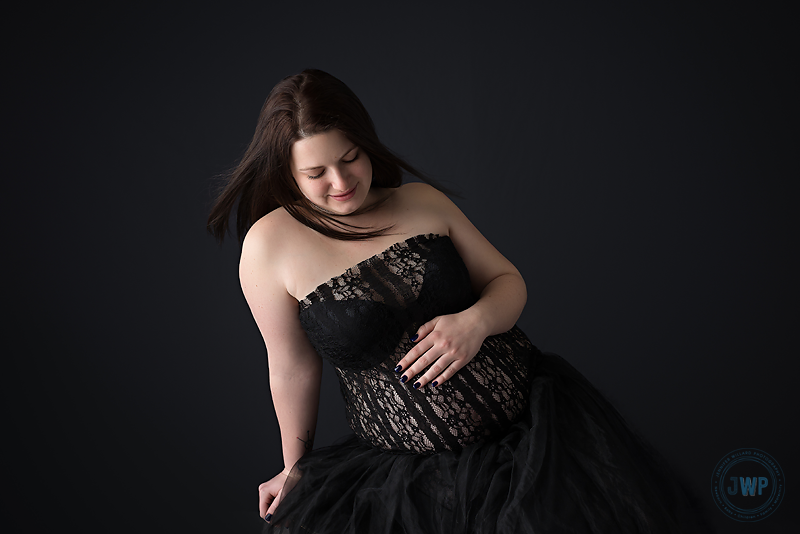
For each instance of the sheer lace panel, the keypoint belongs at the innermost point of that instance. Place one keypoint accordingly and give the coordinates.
(361, 321)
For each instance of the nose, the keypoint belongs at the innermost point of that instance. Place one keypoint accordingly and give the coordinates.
(338, 181)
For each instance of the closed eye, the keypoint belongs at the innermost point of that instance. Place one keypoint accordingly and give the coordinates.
(351, 160)
(343, 161)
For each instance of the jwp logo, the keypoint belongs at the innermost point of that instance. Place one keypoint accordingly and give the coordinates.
(748, 485)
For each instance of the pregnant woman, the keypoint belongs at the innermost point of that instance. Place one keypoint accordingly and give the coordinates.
(460, 424)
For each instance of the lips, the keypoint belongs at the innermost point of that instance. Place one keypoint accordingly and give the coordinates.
(347, 195)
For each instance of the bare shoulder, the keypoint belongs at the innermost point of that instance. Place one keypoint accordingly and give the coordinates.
(427, 201)
(429, 205)
(267, 246)
(421, 192)
(267, 229)
(261, 240)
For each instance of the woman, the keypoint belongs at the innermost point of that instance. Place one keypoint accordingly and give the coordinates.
(460, 423)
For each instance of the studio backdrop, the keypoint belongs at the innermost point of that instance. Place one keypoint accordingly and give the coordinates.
(631, 160)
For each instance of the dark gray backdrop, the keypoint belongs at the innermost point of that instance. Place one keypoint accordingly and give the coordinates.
(633, 162)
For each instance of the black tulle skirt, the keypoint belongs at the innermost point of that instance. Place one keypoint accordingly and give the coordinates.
(570, 465)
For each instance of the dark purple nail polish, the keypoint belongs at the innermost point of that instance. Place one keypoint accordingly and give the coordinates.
(414, 338)
(398, 369)
(403, 380)
(434, 383)
(416, 385)
(267, 517)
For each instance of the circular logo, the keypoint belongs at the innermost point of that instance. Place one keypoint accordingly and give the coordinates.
(748, 485)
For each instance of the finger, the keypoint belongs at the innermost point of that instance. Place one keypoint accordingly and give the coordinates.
(411, 357)
(447, 373)
(264, 499)
(434, 372)
(424, 330)
(419, 349)
(274, 505)
(432, 355)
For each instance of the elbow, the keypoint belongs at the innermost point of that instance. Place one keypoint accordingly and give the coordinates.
(517, 283)
(523, 289)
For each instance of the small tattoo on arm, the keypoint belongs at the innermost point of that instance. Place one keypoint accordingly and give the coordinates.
(308, 442)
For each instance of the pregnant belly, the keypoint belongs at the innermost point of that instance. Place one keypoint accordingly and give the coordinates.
(481, 400)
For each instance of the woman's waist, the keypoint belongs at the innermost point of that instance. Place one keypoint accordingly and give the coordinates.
(427, 422)
(482, 398)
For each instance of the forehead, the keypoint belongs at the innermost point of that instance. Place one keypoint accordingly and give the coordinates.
(320, 149)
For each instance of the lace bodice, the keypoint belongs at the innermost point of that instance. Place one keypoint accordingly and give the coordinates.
(361, 322)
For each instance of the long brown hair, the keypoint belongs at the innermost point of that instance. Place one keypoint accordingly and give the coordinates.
(298, 107)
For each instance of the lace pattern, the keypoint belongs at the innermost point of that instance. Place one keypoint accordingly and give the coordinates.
(361, 321)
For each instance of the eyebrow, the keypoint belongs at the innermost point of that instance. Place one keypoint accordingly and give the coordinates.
(321, 166)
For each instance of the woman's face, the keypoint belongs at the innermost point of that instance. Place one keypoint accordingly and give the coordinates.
(331, 171)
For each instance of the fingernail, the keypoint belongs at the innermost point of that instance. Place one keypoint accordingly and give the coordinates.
(403, 380)
(416, 385)
(434, 383)
(414, 338)
(267, 517)
(398, 368)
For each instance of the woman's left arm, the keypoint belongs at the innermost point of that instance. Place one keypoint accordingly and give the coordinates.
(448, 342)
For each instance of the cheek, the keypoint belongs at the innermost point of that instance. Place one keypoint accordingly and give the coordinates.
(366, 168)
(309, 188)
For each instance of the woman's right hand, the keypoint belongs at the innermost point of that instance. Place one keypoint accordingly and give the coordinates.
(270, 494)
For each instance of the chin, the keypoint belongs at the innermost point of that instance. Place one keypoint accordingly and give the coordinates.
(345, 208)
(346, 211)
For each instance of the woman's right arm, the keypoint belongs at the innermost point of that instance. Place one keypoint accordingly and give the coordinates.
(295, 368)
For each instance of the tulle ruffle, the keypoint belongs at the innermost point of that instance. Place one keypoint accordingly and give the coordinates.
(570, 464)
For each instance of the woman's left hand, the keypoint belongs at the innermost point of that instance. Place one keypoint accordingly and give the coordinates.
(448, 342)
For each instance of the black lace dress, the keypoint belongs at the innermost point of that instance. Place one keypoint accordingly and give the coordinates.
(518, 441)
